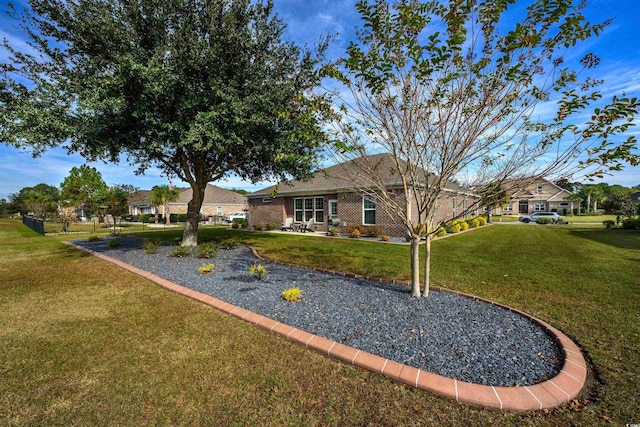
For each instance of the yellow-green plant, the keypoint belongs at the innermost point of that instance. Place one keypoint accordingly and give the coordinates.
(93, 238)
(258, 270)
(205, 268)
(292, 294)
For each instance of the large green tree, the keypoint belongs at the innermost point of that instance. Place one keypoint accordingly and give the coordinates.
(162, 195)
(201, 88)
(450, 90)
(84, 188)
(38, 200)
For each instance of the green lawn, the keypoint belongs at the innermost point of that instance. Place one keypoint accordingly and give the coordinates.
(83, 342)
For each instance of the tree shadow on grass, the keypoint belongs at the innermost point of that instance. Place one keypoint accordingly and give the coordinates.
(619, 238)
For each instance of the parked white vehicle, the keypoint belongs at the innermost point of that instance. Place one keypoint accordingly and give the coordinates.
(532, 218)
(235, 215)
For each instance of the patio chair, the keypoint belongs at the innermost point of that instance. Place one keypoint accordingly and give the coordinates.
(306, 227)
(288, 225)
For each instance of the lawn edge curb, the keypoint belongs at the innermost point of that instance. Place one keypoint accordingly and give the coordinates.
(549, 394)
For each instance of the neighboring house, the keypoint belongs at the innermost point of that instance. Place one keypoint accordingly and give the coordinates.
(332, 196)
(539, 195)
(218, 202)
(140, 203)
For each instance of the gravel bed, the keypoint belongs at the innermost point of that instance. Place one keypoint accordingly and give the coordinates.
(446, 334)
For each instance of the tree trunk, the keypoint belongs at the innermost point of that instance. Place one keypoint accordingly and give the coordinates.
(489, 208)
(415, 266)
(166, 213)
(427, 265)
(190, 235)
(588, 202)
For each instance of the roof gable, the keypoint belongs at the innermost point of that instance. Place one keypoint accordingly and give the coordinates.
(340, 177)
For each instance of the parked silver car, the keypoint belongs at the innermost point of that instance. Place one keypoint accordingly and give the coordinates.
(532, 218)
(230, 218)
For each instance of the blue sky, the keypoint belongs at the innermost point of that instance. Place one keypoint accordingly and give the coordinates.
(307, 20)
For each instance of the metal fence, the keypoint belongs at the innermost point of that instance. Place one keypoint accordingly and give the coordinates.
(36, 224)
(52, 227)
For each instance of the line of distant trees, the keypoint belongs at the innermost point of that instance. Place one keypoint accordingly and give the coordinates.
(603, 197)
(82, 194)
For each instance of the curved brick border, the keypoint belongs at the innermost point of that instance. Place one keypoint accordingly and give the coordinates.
(549, 394)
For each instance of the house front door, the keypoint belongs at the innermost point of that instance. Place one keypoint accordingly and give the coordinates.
(523, 207)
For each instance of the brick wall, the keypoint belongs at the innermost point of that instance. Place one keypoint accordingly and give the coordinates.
(263, 212)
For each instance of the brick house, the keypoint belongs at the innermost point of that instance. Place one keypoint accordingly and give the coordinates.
(332, 199)
(539, 195)
(218, 202)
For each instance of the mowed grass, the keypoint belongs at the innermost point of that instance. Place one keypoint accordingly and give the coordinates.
(85, 343)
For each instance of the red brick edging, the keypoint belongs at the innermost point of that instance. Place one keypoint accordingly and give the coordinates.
(549, 394)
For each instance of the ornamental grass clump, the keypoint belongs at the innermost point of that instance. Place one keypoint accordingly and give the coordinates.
(271, 226)
(292, 294)
(258, 270)
(93, 238)
(205, 268)
(482, 221)
(180, 251)
(150, 246)
(114, 243)
(207, 250)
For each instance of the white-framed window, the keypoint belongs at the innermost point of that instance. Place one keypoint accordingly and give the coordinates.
(219, 210)
(509, 208)
(454, 205)
(298, 211)
(308, 208)
(267, 200)
(540, 188)
(369, 210)
(564, 203)
(333, 209)
(319, 210)
(539, 206)
(305, 208)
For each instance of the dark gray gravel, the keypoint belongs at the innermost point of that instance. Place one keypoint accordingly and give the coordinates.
(446, 334)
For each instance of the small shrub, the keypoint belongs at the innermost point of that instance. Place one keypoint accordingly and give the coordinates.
(258, 270)
(146, 218)
(205, 268)
(93, 238)
(473, 223)
(453, 228)
(609, 223)
(334, 232)
(150, 246)
(229, 243)
(385, 237)
(464, 225)
(114, 243)
(271, 226)
(544, 220)
(207, 250)
(441, 232)
(243, 223)
(180, 251)
(292, 294)
(374, 231)
(482, 221)
(359, 227)
(355, 233)
(257, 227)
(631, 223)
(235, 225)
